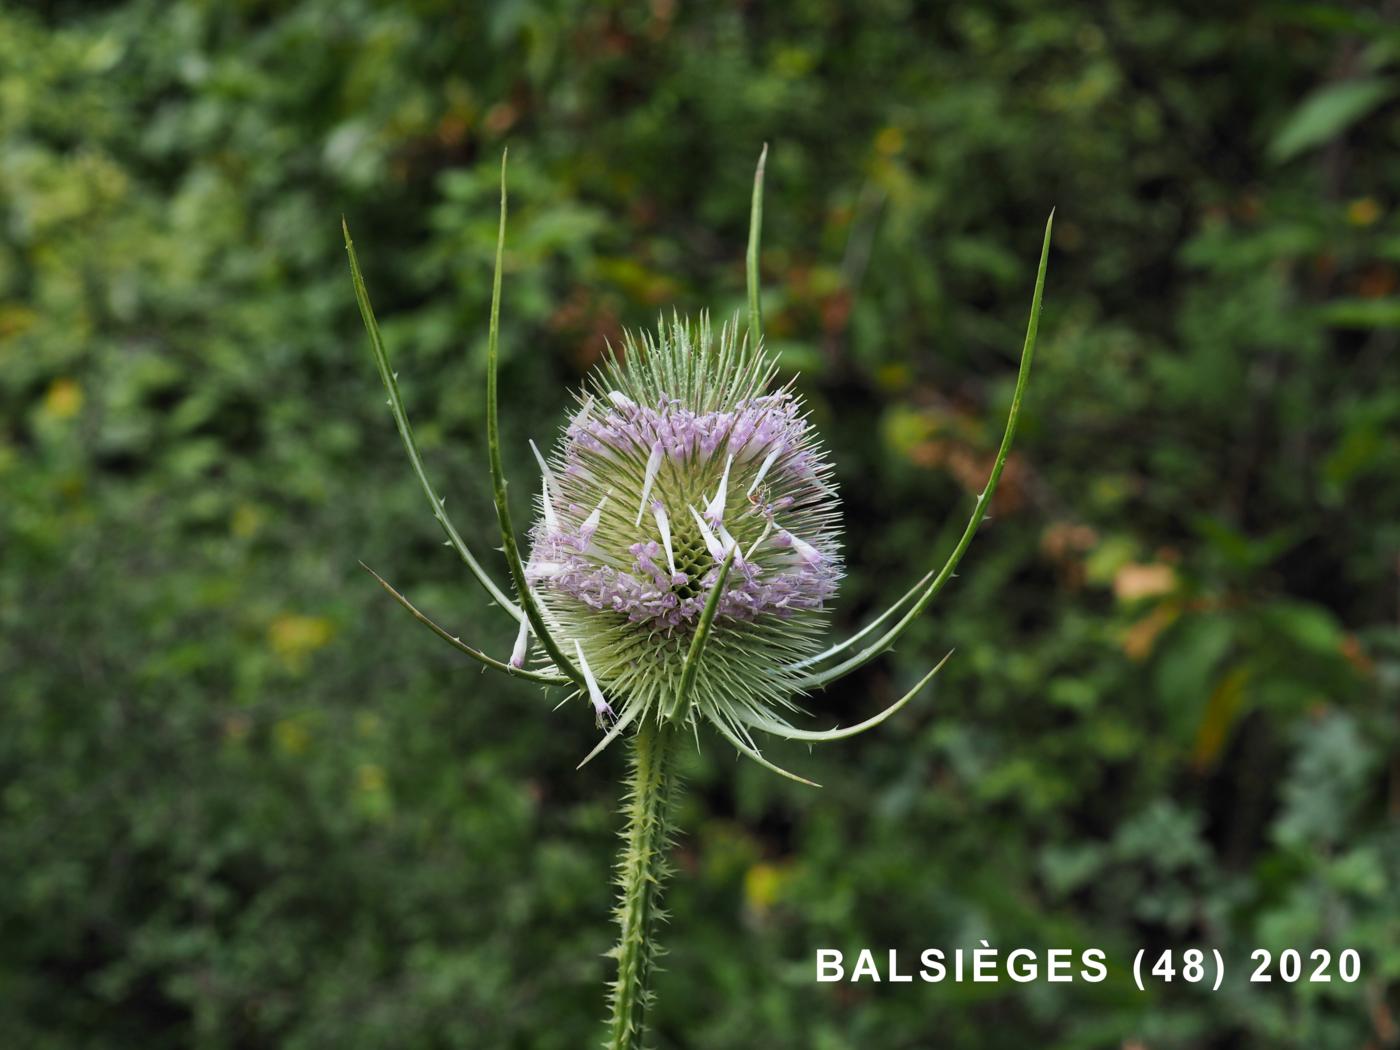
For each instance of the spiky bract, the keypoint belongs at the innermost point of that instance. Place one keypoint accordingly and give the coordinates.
(678, 454)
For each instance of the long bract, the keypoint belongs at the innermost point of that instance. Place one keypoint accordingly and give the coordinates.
(498, 477)
(823, 678)
(391, 384)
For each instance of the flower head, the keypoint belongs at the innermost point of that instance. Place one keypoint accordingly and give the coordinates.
(680, 453)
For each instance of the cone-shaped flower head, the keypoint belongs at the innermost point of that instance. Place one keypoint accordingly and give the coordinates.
(680, 457)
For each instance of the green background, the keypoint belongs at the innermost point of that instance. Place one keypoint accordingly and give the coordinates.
(245, 801)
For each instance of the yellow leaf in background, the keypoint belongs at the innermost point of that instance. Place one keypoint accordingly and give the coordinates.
(370, 778)
(64, 399)
(372, 798)
(894, 376)
(639, 282)
(16, 319)
(889, 141)
(1141, 638)
(1363, 211)
(291, 735)
(763, 885)
(794, 62)
(1109, 555)
(1222, 711)
(247, 520)
(1135, 581)
(295, 637)
(904, 429)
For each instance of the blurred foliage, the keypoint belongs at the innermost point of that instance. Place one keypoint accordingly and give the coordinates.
(245, 802)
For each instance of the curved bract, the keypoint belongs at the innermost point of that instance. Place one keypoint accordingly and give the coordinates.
(509, 547)
(926, 592)
(543, 678)
(390, 379)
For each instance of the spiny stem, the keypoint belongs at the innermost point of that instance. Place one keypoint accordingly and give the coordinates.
(641, 872)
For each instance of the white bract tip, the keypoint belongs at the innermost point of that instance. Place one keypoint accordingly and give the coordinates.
(653, 465)
(551, 520)
(727, 541)
(621, 400)
(583, 409)
(803, 549)
(712, 543)
(748, 555)
(600, 705)
(546, 484)
(522, 644)
(544, 467)
(715, 511)
(663, 525)
(768, 461)
(590, 523)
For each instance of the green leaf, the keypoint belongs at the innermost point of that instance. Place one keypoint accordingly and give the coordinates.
(1223, 709)
(1361, 313)
(1326, 113)
(1188, 666)
(1306, 627)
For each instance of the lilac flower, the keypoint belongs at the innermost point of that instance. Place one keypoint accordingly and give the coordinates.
(680, 423)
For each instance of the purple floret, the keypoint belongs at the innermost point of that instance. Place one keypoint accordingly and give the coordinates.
(613, 444)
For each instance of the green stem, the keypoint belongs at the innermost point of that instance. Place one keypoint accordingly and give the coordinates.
(641, 872)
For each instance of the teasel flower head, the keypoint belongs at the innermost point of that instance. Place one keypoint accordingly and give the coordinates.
(685, 477)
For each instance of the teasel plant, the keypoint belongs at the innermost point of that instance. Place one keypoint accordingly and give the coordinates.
(680, 567)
